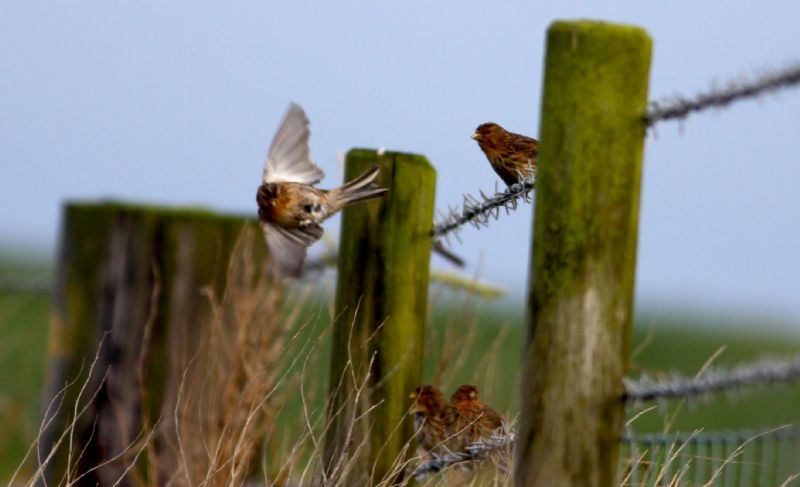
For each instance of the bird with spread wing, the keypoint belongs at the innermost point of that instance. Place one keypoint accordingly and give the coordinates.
(290, 208)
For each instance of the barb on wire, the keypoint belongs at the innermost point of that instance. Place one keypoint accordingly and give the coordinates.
(474, 452)
(765, 371)
(737, 89)
(479, 211)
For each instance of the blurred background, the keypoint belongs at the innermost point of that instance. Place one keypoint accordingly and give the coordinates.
(177, 104)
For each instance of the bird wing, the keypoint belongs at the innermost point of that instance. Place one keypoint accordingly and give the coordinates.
(525, 144)
(287, 246)
(289, 159)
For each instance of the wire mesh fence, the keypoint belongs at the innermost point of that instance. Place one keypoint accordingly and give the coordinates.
(743, 458)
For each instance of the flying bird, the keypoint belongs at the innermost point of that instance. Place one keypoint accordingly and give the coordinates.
(511, 155)
(468, 419)
(290, 209)
(429, 417)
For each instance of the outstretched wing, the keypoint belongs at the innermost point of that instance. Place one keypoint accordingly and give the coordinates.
(289, 159)
(287, 246)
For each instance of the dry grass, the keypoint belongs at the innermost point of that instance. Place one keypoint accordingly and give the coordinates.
(246, 404)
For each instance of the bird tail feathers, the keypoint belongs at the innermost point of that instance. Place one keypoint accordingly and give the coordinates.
(359, 189)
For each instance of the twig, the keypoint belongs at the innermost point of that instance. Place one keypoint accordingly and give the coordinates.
(469, 284)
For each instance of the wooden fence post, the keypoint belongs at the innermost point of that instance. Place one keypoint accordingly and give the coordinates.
(584, 254)
(112, 259)
(381, 303)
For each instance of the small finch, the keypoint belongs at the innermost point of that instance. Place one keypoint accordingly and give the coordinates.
(468, 419)
(429, 417)
(290, 209)
(510, 154)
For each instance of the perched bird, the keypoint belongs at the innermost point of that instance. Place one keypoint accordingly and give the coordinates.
(510, 154)
(290, 209)
(429, 417)
(468, 419)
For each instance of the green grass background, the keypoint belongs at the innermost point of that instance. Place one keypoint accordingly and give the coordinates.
(487, 338)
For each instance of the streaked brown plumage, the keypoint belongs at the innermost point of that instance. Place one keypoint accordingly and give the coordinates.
(468, 419)
(290, 209)
(509, 154)
(429, 417)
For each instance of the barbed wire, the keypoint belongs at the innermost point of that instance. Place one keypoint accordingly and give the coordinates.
(761, 372)
(474, 452)
(678, 106)
(479, 211)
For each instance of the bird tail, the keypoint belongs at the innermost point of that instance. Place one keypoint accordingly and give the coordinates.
(361, 188)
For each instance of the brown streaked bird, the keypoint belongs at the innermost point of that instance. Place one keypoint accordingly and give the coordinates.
(510, 154)
(468, 419)
(429, 417)
(290, 209)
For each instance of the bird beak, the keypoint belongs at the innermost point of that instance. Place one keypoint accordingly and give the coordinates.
(476, 136)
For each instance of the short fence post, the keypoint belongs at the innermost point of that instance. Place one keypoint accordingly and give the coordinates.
(584, 254)
(128, 277)
(381, 303)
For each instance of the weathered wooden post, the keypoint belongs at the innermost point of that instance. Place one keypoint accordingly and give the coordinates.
(381, 302)
(584, 254)
(128, 277)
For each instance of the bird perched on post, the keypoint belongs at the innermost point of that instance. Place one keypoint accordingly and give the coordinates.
(468, 419)
(429, 417)
(510, 154)
(290, 209)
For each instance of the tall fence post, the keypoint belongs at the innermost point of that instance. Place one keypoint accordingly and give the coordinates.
(584, 254)
(381, 304)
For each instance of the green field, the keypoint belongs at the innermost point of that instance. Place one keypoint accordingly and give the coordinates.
(484, 342)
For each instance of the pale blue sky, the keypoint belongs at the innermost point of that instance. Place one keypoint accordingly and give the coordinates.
(176, 102)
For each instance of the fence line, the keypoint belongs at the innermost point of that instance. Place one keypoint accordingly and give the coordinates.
(760, 372)
(644, 388)
(658, 454)
(743, 457)
(680, 107)
(479, 212)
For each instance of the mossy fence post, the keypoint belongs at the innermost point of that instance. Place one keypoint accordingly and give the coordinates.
(127, 292)
(381, 305)
(583, 259)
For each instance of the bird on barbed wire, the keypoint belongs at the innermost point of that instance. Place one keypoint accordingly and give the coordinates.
(290, 209)
(429, 412)
(512, 156)
(468, 419)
